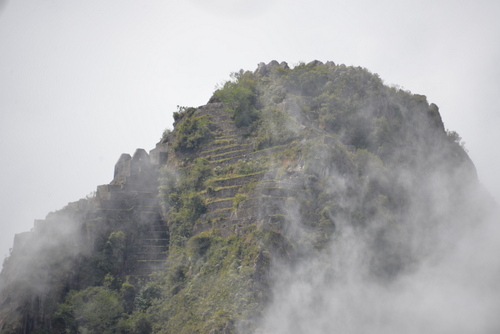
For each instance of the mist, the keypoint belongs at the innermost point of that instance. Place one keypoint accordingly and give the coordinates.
(453, 291)
(431, 266)
(83, 83)
(41, 260)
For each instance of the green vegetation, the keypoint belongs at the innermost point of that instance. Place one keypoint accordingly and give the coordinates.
(190, 133)
(229, 266)
(240, 98)
(456, 139)
(307, 151)
(277, 127)
(93, 310)
(183, 112)
(347, 101)
(181, 200)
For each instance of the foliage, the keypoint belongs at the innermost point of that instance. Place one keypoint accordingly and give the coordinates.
(226, 265)
(252, 166)
(182, 221)
(240, 98)
(229, 266)
(277, 128)
(237, 200)
(93, 310)
(199, 172)
(180, 198)
(190, 133)
(455, 138)
(182, 112)
(165, 135)
(149, 295)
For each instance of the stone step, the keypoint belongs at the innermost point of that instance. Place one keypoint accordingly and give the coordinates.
(224, 203)
(228, 161)
(155, 249)
(219, 213)
(153, 242)
(225, 148)
(157, 227)
(150, 251)
(223, 192)
(292, 184)
(264, 206)
(238, 180)
(150, 234)
(111, 221)
(115, 214)
(127, 204)
(147, 216)
(241, 153)
(149, 257)
(226, 140)
(246, 155)
(269, 151)
(280, 192)
(134, 195)
(145, 267)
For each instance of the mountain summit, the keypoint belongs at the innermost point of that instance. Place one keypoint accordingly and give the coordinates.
(255, 214)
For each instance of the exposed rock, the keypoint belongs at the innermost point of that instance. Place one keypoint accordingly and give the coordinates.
(436, 116)
(159, 154)
(122, 169)
(284, 65)
(315, 63)
(264, 69)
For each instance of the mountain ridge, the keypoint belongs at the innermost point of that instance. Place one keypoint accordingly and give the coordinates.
(276, 168)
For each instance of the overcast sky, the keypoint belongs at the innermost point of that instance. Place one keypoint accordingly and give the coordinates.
(83, 81)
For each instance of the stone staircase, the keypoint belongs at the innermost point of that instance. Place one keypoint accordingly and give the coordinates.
(229, 147)
(130, 204)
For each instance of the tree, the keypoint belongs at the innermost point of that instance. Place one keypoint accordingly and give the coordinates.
(93, 310)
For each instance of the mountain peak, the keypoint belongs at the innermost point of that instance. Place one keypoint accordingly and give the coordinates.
(284, 169)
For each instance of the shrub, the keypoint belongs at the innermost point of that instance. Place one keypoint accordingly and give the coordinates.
(191, 132)
(455, 138)
(237, 200)
(183, 111)
(278, 127)
(240, 98)
(93, 310)
(200, 171)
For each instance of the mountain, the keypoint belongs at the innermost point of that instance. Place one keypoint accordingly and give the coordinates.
(286, 176)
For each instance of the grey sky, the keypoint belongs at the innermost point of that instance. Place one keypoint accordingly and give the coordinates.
(83, 81)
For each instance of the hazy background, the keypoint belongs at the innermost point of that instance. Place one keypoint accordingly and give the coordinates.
(83, 81)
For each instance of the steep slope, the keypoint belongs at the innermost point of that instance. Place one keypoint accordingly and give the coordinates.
(276, 170)
(117, 232)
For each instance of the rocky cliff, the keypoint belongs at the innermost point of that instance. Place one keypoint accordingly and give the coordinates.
(274, 170)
